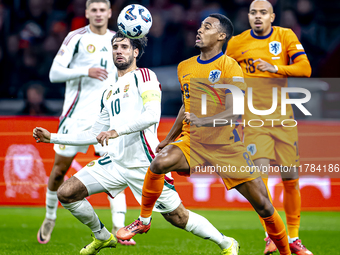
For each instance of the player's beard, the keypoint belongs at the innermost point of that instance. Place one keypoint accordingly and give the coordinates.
(124, 65)
(258, 30)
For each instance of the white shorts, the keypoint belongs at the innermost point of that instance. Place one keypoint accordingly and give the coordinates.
(70, 125)
(114, 178)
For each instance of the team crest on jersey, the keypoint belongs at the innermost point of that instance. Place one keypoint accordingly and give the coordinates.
(252, 149)
(126, 88)
(91, 164)
(109, 94)
(62, 147)
(214, 76)
(275, 48)
(90, 48)
(61, 53)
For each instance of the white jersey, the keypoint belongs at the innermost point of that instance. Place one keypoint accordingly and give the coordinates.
(132, 107)
(81, 50)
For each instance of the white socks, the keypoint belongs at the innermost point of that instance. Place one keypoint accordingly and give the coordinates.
(292, 240)
(84, 212)
(201, 227)
(145, 221)
(118, 210)
(51, 204)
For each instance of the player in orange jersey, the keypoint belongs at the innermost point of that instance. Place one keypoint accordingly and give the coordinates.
(264, 53)
(201, 143)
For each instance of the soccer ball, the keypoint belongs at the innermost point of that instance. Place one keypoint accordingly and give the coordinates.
(134, 21)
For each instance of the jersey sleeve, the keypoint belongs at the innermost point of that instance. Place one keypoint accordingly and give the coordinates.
(300, 66)
(234, 76)
(148, 85)
(104, 116)
(180, 75)
(230, 48)
(294, 47)
(150, 91)
(66, 50)
(59, 70)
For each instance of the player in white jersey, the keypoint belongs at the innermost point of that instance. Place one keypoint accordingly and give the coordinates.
(84, 62)
(130, 115)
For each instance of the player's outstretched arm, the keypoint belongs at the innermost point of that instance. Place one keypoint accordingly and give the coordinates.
(264, 66)
(83, 138)
(103, 137)
(300, 67)
(60, 73)
(150, 116)
(228, 116)
(41, 135)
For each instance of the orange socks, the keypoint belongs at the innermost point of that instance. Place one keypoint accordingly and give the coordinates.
(292, 206)
(265, 180)
(277, 232)
(152, 189)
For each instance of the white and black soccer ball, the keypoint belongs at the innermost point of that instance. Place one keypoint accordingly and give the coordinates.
(134, 21)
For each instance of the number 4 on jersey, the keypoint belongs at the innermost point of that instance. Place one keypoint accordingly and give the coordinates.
(103, 63)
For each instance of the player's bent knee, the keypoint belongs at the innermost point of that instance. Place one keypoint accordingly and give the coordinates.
(72, 190)
(266, 209)
(160, 165)
(63, 195)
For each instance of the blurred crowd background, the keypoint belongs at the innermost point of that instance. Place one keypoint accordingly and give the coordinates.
(32, 31)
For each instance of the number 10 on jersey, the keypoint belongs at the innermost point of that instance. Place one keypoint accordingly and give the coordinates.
(115, 107)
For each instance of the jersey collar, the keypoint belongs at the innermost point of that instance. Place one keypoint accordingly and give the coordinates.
(210, 60)
(260, 37)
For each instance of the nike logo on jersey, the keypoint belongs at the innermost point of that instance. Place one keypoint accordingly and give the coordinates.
(103, 49)
(244, 52)
(186, 75)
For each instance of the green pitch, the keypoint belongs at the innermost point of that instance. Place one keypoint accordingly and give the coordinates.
(319, 231)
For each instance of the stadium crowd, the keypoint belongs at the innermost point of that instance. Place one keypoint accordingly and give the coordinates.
(32, 31)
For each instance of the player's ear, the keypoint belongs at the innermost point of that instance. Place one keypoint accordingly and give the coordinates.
(222, 36)
(110, 12)
(135, 52)
(86, 14)
(272, 17)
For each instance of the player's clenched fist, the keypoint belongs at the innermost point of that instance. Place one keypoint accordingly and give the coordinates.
(103, 137)
(98, 73)
(41, 135)
(264, 66)
(161, 145)
(192, 119)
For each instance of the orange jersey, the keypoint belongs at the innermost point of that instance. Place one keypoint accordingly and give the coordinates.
(278, 48)
(198, 77)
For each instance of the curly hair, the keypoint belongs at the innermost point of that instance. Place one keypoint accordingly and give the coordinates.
(139, 43)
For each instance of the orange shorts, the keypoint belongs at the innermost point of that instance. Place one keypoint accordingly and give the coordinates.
(231, 162)
(279, 144)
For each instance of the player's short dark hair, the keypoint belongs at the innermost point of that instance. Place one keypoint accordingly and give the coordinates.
(226, 26)
(139, 43)
(88, 2)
